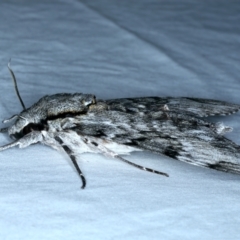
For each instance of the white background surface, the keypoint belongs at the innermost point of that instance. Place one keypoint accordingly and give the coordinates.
(117, 49)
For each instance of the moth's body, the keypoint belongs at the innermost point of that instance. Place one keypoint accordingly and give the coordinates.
(78, 123)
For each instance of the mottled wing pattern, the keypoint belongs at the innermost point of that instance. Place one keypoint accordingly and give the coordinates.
(146, 124)
(196, 106)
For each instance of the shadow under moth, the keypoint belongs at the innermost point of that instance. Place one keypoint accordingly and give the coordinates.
(78, 123)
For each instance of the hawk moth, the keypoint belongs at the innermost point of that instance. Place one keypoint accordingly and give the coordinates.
(78, 123)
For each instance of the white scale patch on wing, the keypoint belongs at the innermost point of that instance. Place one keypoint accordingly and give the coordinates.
(222, 129)
(120, 149)
(85, 144)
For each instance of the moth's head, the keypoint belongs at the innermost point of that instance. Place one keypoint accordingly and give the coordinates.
(47, 108)
(22, 126)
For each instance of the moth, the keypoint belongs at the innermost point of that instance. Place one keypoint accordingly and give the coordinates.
(175, 127)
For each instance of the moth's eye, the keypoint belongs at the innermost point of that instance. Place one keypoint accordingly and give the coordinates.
(31, 127)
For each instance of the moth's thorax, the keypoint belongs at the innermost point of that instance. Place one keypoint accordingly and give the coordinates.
(50, 108)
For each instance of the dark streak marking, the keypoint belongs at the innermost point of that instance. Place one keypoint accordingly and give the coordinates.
(171, 152)
(225, 166)
(94, 143)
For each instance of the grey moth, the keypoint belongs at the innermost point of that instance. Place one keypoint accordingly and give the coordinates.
(78, 123)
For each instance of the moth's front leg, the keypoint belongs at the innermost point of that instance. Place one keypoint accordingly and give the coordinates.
(25, 141)
(66, 141)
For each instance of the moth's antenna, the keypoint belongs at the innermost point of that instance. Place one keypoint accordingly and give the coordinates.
(15, 84)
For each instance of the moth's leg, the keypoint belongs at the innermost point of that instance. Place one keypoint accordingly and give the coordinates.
(108, 152)
(10, 119)
(6, 121)
(73, 158)
(31, 138)
(10, 145)
(141, 167)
